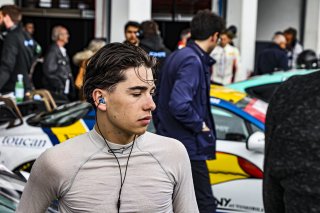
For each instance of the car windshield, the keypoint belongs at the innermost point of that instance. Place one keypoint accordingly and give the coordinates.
(255, 107)
(63, 115)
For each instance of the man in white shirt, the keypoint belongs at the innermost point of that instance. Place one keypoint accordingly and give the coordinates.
(227, 67)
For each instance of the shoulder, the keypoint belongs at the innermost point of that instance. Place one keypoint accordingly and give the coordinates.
(52, 52)
(183, 57)
(163, 147)
(11, 37)
(294, 91)
(216, 50)
(298, 47)
(65, 157)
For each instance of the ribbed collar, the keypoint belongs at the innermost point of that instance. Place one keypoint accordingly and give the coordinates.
(117, 148)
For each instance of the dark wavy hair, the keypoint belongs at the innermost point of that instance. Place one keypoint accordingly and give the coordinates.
(13, 11)
(107, 67)
(205, 24)
(131, 24)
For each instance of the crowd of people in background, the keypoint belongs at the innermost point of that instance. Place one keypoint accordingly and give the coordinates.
(205, 54)
(282, 54)
(56, 74)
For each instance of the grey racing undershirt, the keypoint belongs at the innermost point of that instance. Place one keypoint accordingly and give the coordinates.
(84, 176)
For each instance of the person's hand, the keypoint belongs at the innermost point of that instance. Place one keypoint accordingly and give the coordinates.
(205, 128)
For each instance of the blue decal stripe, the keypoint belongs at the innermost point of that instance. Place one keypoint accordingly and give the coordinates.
(231, 107)
(53, 138)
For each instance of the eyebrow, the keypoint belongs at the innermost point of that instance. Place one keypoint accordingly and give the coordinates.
(142, 88)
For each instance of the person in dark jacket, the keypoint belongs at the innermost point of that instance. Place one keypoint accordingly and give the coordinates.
(151, 41)
(17, 52)
(58, 77)
(274, 58)
(184, 102)
(131, 29)
(294, 47)
(292, 150)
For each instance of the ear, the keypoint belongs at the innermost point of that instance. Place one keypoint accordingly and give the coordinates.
(215, 37)
(97, 95)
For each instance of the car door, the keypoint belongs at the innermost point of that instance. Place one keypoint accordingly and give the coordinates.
(236, 174)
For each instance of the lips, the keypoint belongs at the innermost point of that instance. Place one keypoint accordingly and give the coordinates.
(145, 120)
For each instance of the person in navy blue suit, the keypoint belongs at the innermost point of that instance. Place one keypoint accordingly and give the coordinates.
(183, 101)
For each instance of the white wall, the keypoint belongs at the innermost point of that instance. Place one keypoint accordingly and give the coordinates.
(100, 23)
(2, 2)
(312, 26)
(248, 34)
(243, 14)
(277, 15)
(125, 10)
(140, 10)
(234, 14)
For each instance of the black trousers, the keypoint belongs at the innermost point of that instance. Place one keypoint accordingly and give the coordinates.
(202, 187)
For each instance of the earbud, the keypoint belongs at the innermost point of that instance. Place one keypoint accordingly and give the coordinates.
(102, 101)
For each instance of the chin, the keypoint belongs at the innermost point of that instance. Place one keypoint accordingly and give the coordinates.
(140, 131)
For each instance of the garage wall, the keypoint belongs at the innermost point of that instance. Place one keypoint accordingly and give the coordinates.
(312, 26)
(234, 13)
(275, 15)
(2, 2)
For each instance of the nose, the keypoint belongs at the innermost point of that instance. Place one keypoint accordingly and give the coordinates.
(149, 105)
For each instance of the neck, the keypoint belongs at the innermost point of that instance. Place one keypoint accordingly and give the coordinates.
(110, 133)
(9, 24)
(60, 43)
(203, 45)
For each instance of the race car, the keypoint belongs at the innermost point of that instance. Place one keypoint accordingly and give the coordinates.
(11, 187)
(236, 172)
(263, 86)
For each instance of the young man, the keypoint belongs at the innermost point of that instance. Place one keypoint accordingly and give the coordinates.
(117, 166)
(227, 69)
(131, 30)
(152, 42)
(17, 52)
(184, 105)
(294, 48)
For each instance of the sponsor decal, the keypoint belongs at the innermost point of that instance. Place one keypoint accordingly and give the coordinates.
(223, 201)
(23, 142)
(248, 208)
(226, 204)
(160, 54)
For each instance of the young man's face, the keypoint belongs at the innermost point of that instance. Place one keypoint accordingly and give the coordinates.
(29, 28)
(131, 35)
(129, 105)
(224, 40)
(289, 38)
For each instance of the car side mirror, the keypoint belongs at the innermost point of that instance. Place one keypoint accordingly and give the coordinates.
(256, 142)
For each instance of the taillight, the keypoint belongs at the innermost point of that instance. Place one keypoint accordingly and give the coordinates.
(250, 168)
